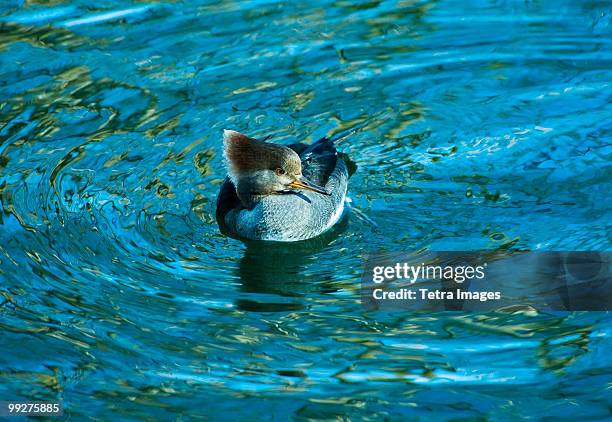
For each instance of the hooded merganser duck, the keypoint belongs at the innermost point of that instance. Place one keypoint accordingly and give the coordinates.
(280, 193)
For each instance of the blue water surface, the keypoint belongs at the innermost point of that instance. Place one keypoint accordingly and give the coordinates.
(475, 125)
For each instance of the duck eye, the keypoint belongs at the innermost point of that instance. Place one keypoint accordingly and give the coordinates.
(279, 171)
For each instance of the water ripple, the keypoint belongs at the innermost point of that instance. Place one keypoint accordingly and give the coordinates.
(476, 126)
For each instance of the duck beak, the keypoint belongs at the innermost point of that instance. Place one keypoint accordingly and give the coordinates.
(305, 184)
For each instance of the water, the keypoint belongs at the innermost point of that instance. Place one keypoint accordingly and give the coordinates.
(479, 125)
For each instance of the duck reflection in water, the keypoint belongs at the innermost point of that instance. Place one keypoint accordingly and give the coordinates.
(282, 274)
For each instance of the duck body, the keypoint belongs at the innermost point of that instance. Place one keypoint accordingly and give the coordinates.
(295, 214)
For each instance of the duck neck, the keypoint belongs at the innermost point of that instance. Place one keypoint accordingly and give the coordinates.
(250, 190)
(248, 198)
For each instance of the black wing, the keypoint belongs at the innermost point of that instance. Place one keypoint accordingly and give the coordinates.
(318, 159)
(226, 201)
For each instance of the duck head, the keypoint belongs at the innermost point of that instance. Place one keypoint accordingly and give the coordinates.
(258, 168)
